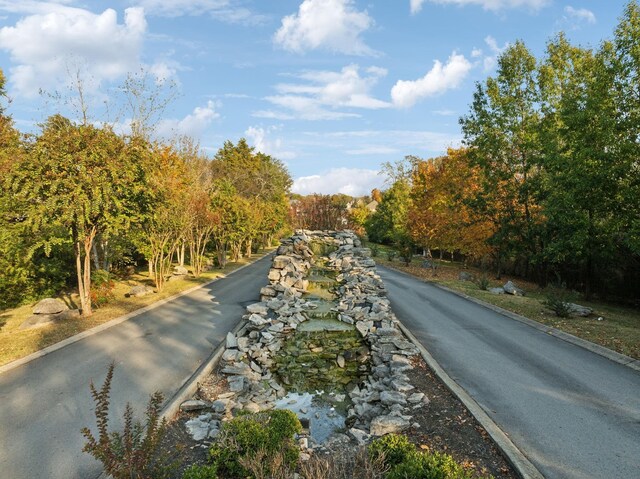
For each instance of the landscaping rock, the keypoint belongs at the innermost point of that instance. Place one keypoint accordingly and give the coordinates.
(496, 290)
(578, 310)
(193, 405)
(38, 321)
(50, 306)
(180, 271)
(510, 288)
(139, 291)
(382, 425)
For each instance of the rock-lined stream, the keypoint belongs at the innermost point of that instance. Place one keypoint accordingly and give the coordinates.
(322, 342)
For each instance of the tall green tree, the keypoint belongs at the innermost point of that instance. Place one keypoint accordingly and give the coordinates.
(81, 177)
(502, 133)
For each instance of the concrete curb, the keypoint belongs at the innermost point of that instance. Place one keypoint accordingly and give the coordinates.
(113, 322)
(569, 338)
(190, 386)
(524, 468)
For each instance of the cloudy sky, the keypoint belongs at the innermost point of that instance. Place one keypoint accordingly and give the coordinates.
(333, 88)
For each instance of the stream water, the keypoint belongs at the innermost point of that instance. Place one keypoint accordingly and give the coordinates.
(321, 359)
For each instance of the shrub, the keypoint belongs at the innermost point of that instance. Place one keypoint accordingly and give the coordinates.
(269, 434)
(135, 452)
(201, 472)
(483, 282)
(557, 299)
(428, 466)
(391, 253)
(392, 449)
(102, 287)
(344, 464)
(375, 250)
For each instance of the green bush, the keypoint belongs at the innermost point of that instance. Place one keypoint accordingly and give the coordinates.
(375, 250)
(428, 466)
(392, 449)
(391, 254)
(201, 472)
(269, 434)
(483, 282)
(557, 299)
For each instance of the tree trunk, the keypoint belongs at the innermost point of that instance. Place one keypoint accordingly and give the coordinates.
(94, 255)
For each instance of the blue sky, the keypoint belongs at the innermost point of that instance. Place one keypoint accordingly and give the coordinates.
(333, 88)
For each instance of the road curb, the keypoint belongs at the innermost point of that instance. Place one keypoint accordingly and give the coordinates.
(114, 322)
(524, 468)
(550, 330)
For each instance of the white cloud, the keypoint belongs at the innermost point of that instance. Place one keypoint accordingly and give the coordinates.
(490, 61)
(349, 181)
(225, 10)
(476, 52)
(493, 5)
(42, 45)
(323, 93)
(259, 138)
(193, 125)
(334, 25)
(579, 15)
(416, 6)
(444, 112)
(405, 93)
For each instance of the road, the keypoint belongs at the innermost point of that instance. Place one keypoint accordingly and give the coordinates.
(45, 403)
(572, 412)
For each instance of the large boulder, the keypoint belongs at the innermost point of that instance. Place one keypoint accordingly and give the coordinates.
(180, 271)
(578, 310)
(50, 306)
(465, 276)
(510, 288)
(38, 321)
(139, 291)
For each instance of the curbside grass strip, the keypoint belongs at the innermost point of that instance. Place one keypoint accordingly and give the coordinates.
(550, 330)
(114, 322)
(524, 468)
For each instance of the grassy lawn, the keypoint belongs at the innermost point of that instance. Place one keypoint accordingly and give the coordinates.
(15, 344)
(618, 330)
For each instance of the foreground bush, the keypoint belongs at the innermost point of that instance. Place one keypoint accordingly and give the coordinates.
(404, 461)
(135, 452)
(257, 445)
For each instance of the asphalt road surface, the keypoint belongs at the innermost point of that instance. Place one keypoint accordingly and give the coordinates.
(573, 413)
(45, 403)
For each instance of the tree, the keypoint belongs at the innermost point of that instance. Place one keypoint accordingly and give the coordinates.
(501, 132)
(81, 177)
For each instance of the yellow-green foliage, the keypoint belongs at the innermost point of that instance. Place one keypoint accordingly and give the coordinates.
(270, 434)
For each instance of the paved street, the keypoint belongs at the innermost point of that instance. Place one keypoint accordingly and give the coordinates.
(574, 413)
(45, 403)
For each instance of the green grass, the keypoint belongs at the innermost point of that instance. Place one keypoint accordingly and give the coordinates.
(15, 344)
(619, 329)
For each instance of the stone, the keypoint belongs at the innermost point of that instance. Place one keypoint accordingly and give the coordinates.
(197, 428)
(361, 437)
(274, 275)
(340, 360)
(38, 321)
(465, 276)
(231, 340)
(257, 320)
(236, 383)
(139, 291)
(180, 271)
(50, 306)
(230, 355)
(416, 398)
(268, 291)
(364, 327)
(193, 405)
(496, 290)
(382, 425)
(578, 310)
(401, 386)
(392, 397)
(257, 308)
(220, 405)
(252, 407)
(240, 369)
(510, 288)
(280, 261)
